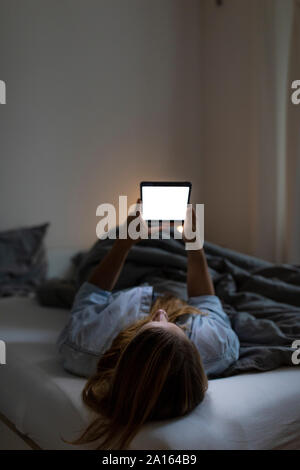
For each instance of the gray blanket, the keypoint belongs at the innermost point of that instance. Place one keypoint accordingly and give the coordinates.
(261, 299)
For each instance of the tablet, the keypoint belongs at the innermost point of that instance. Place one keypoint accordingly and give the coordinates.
(165, 200)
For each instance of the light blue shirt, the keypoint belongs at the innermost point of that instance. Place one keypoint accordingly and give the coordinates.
(98, 316)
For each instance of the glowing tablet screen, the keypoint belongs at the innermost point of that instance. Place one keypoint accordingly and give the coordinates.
(164, 202)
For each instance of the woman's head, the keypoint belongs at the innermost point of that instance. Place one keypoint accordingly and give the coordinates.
(160, 319)
(151, 372)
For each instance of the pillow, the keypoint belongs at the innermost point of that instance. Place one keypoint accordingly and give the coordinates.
(60, 292)
(23, 263)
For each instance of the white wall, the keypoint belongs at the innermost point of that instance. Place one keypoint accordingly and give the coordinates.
(104, 93)
(100, 95)
(273, 36)
(291, 227)
(246, 49)
(229, 134)
(284, 14)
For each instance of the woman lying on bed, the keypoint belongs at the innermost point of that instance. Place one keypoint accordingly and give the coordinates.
(149, 354)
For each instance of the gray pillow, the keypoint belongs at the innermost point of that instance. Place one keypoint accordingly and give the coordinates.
(23, 262)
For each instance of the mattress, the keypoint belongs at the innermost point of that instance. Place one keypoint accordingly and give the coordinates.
(249, 411)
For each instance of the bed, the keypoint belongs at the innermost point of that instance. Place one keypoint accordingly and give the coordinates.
(41, 402)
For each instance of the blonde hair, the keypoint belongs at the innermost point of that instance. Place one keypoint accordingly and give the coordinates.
(147, 374)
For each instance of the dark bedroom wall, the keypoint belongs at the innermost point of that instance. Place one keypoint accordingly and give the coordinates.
(245, 62)
(100, 95)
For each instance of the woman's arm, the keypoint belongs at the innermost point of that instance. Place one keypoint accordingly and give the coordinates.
(199, 281)
(107, 273)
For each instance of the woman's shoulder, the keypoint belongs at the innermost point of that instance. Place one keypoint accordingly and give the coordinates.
(205, 301)
(212, 308)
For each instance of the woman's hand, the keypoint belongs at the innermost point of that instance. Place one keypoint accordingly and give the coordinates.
(137, 227)
(107, 273)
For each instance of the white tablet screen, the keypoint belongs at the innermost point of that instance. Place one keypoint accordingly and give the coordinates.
(164, 202)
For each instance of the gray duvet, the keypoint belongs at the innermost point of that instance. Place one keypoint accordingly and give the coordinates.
(261, 299)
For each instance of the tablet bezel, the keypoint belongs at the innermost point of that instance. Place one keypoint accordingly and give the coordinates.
(165, 183)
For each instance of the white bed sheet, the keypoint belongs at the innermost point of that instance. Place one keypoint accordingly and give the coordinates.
(250, 411)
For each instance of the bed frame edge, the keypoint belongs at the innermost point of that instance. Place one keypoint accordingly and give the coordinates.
(25, 438)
